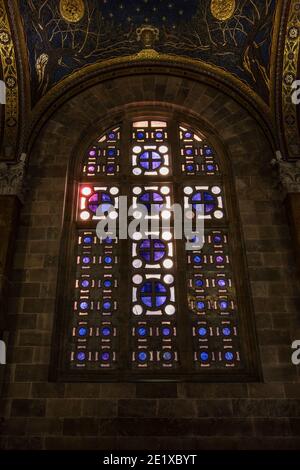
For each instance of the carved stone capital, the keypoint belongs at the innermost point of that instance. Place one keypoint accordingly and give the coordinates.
(289, 174)
(12, 178)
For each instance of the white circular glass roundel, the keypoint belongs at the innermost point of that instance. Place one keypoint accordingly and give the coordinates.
(137, 236)
(137, 279)
(218, 214)
(86, 191)
(114, 191)
(167, 236)
(113, 215)
(188, 190)
(170, 309)
(136, 171)
(168, 279)
(166, 214)
(189, 215)
(137, 310)
(168, 263)
(215, 190)
(165, 190)
(164, 171)
(137, 190)
(137, 149)
(85, 215)
(163, 149)
(137, 214)
(137, 263)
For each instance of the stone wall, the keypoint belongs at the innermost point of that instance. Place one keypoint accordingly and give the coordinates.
(39, 414)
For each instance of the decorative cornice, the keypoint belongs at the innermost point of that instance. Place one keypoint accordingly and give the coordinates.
(10, 77)
(289, 75)
(12, 178)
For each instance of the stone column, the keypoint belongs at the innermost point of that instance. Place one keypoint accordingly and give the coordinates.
(11, 197)
(290, 181)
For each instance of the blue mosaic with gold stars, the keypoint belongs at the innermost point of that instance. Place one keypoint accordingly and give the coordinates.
(155, 12)
(57, 48)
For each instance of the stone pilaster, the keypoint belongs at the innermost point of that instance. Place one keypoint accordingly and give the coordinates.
(11, 197)
(289, 173)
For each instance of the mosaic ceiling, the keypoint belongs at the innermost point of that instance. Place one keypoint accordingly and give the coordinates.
(67, 35)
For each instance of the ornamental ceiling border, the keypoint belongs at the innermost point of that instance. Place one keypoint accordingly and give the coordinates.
(291, 58)
(149, 61)
(9, 68)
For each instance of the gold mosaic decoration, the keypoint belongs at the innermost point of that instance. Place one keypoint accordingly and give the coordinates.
(290, 64)
(72, 10)
(222, 9)
(9, 76)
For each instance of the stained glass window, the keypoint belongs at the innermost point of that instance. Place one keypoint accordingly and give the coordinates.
(148, 306)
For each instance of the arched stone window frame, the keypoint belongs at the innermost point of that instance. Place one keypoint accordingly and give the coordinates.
(60, 368)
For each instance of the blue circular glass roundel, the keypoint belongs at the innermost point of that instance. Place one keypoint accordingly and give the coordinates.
(107, 283)
(159, 135)
(105, 356)
(190, 167)
(166, 331)
(210, 167)
(142, 331)
(218, 239)
(140, 135)
(229, 356)
(197, 259)
(86, 260)
(226, 331)
(208, 151)
(153, 294)
(187, 135)
(85, 283)
(142, 356)
(150, 160)
(111, 136)
(221, 283)
(202, 331)
(167, 356)
(81, 356)
(87, 239)
(106, 331)
(199, 282)
(108, 259)
(200, 305)
(111, 152)
(84, 305)
(108, 241)
(204, 356)
(106, 305)
(110, 168)
(82, 331)
(223, 305)
(188, 151)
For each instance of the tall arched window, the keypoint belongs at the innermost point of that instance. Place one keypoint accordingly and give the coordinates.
(151, 309)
